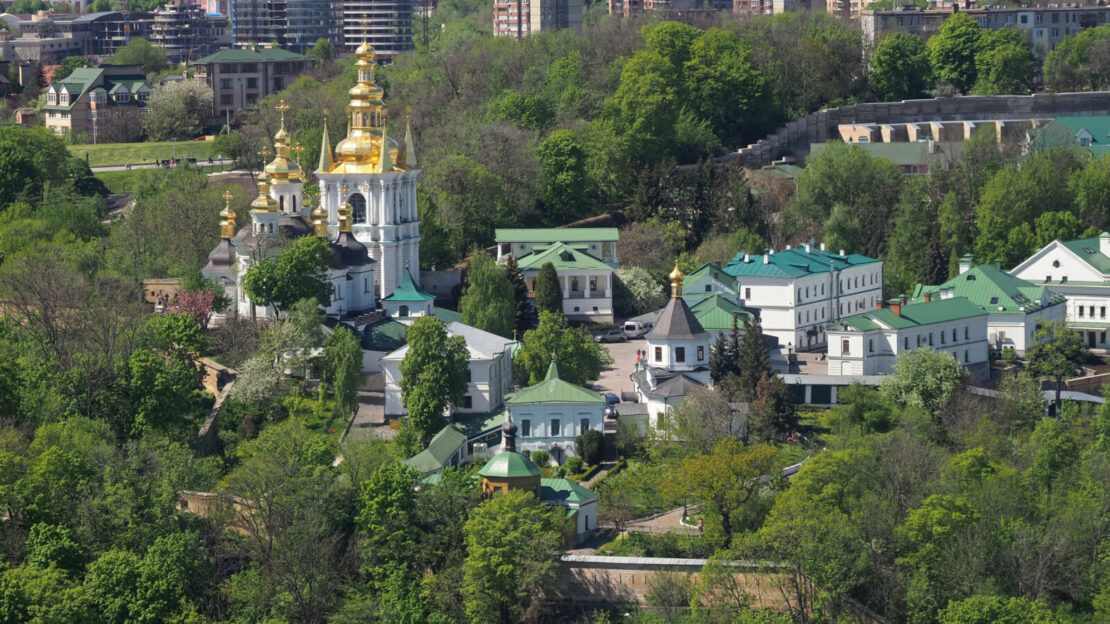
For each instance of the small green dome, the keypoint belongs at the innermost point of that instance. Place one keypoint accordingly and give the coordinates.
(509, 464)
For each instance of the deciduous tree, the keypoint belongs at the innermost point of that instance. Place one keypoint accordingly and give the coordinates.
(1056, 352)
(433, 375)
(581, 360)
(900, 68)
(488, 302)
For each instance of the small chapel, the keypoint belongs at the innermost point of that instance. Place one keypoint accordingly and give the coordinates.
(367, 209)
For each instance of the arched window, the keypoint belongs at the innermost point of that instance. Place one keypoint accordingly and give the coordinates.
(403, 311)
(281, 203)
(358, 206)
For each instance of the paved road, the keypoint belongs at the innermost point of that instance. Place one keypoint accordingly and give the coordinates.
(200, 163)
(615, 379)
(369, 420)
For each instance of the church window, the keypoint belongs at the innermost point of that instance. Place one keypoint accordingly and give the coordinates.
(468, 402)
(658, 354)
(404, 311)
(365, 284)
(281, 203)
(525, 428)
(556, 428)
(708, 288)
(358, 207)
(844, 347)
(680, 354)
(701, 353)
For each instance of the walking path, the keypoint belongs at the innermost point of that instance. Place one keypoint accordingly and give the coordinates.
(199, 163)
(369, 421)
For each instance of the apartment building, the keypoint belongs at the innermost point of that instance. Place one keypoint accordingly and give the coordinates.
(241, 77)
(517, 19)
(103, 103)
(387, 25)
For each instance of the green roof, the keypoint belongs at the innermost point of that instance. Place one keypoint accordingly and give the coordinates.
(475, 424)
(509, 464)
(913, 315)
(385, 335)
(1088, 250)
(796, 262)
(553, 390)
(261, 55)
(564, 491)
(564, 257)
(716, 312)
(443, 445)
(408, 291)
(994, 290)
(1066, 131)
(712, 270)
(551, 235)
(446, 316)
(901, 153)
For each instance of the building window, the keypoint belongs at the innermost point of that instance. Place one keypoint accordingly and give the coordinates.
(870, 345)
(1080, 311)
(941, 337)
(358, 207)
(583, 425)
(965, 332)
(468, 402)
(573, 284)
(708, 288)
(658, 354)
(965, 356)
(844, 347)
(556, 428)
(906, 343)
(469, 376)
(747, 293)
(680, 354)
(52, 98)
(1102, 312)
(1091, 311)
(225, 99)
(525, 428)
(225, 83)
(701, 353)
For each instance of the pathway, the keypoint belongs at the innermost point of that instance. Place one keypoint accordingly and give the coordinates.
(369, 421)
(199, 163)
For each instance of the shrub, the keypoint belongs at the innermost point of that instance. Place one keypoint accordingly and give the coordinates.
(590, 446)
(574, 465)
(541, 458)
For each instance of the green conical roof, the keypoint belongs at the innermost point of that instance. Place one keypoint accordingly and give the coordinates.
(407, 290)
(509, 464)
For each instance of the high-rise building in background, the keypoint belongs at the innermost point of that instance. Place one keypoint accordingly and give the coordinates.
(292, 24)
(387, 25)
(517, 19)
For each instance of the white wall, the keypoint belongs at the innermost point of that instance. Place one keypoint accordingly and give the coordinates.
(539, 418)
(667, 350)
(874, 352)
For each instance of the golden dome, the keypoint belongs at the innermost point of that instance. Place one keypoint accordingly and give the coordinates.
(365, 52)
(345, 212)
(676, 281)
(227, 218)
(281, 168)
(264, 203)
(319, 218)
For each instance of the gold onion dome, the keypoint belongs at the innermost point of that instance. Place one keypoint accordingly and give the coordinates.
(227, 218)
(281, 168)
(319, 219)
(676, 281)
(264, 203)
(345, 212)
(361, 150)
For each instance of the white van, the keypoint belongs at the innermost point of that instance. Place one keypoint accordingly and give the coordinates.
(636, 329)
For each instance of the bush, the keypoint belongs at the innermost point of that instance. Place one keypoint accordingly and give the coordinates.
(541, 458)
(574, 465)
(590, 446)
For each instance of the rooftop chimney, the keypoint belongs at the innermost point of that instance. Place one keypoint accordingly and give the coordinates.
(808, 248)
(896, 307)
(822, 246)
(747, 258)
(965, 263)
(767, 258)
(842, 252)
(788, 245)
(878, 304)
(928, 297)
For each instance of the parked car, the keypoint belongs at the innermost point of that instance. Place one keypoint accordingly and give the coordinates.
(612, 335)
(636, 329)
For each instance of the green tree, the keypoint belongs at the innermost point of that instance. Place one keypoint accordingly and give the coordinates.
(562, 161)
(997, 610)
(52, 545)
(773, 408)
(177, 110)
(1079, 62)
(590, 446)
(387, 519)
(724, 88)
(1004, 70)
(139, 51)
(916, 255)
(952, 51)
(581, 360)
(931, 538)
(548, 290)
(322, 51)
(520, 295)
(67, 66)
(924, 378)
(32, 594)
(635, 291)
(343, 369)
(753, 359)
(513, 546)
(900, 68)
(1056, 352)
(295, 274)
(488, 302)
(433, 375)
(32, 160)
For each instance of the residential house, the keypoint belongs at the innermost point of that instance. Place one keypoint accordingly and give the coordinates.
(1079, 270)
(1015, 307)
(870, 343)
(799, 291)
(103, 103)
(601, 243)
(552, 413)
(586, 280)
(489, 372)
(239, 78)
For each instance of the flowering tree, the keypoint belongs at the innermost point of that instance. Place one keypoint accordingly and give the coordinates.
(197, 303)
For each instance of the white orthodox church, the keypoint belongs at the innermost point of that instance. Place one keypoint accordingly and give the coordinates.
(367, 209)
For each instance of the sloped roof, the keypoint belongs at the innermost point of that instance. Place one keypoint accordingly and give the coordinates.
(713, 271)
(913, 315)
(551, 235)
(1088, 250)
(676, 322)
(796, 262)
(509, 464)
(384, 335)
(445, 315)
(679, 385)
(408, 291)
(994, 290)
(716, 312)
(442, 446)
(480, 345)
(1062, 129)
(564, 257)
(564, 491)
(261, 55)
(553, 389)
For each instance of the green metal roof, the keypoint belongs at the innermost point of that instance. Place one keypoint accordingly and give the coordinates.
(385, 335)
(443, 445)
(551, 235)
(446, 316)
(716, 312)
(408, 291)
(509, 464)
(994, 290)
(553, 390)
(564, 491)
(913, 315)
(712, 270)
(901, 153)
(796, 262)
(1088, 250)
(564, 257)
(1066, 130)
(473, 425)
(261, 55)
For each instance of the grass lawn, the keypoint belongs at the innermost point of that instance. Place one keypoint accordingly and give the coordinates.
(123, 181)
(107, 154)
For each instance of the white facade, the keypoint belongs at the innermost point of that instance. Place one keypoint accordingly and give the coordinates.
(552, 427)
(587, 294)
(1079, 270)
(490, 367)
(704, 283)
(600, 243)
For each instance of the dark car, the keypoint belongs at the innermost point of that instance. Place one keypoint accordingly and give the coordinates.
(612, 335)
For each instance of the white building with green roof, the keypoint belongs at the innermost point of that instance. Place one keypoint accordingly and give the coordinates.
(870, 342)
(587, 281)
(407, 302)
(1079, 270)
(552, 413)
(798, 292)
(1016, 307)
(709, 280)
(600, 243)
